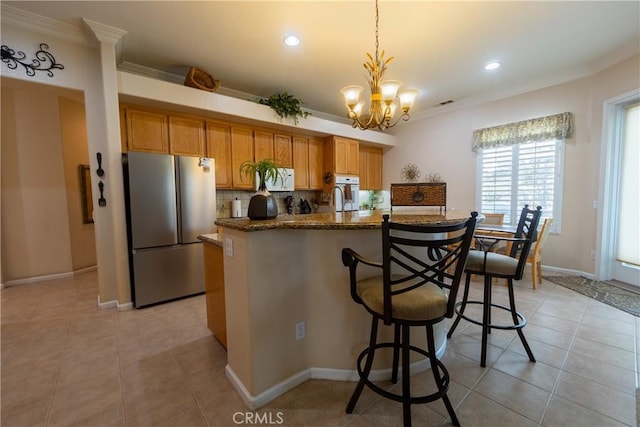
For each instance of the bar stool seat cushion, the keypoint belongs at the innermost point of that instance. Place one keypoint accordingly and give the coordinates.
(497, 264)
(424, 303)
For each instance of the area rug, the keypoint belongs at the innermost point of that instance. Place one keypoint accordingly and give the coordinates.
(606, 292)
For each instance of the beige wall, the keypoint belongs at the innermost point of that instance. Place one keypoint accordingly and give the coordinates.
(75, 152)
(43, 141)
(442, 144)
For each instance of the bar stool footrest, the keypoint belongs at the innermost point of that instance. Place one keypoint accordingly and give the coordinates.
(442, 388)
(521, 324)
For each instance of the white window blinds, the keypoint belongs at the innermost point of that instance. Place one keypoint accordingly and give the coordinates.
(629, 221)
(515, 175)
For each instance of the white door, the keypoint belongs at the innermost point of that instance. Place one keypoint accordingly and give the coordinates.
(626, 263)
(619, 218)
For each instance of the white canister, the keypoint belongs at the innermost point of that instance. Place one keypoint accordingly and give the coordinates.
(236, 208)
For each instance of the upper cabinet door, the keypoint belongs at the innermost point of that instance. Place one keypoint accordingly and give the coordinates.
(186, 136)
(147, 131)
(219, 148)
(370, 168)
(241, 151)
(263, 145)
(346, 156)
(316, 163)
(301, 163)
(282, 150)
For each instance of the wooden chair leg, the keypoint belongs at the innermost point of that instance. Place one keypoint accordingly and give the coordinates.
(540, 271)
(534, 273)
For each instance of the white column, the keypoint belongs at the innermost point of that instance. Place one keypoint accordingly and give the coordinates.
(103, 122)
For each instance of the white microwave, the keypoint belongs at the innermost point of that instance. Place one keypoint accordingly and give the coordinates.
(283, 182)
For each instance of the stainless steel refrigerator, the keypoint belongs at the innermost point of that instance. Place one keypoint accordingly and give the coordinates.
(170, 200)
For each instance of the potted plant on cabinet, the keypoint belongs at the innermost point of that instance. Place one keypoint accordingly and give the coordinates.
(285, 105)
(262, 204)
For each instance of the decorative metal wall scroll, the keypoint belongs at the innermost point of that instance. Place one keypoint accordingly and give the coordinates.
(44, 61)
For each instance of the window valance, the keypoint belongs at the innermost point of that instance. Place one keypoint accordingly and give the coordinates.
(558, 126)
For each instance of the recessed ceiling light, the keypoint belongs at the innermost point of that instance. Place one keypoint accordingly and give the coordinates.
(492, 65)
(291, 40)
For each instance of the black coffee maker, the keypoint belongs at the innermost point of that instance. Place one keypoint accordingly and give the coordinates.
(288, 201)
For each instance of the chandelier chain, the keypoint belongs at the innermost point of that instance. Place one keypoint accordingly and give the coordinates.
(377, 44)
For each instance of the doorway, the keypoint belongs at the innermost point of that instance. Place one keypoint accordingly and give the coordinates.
(44, 142)
(620, 214)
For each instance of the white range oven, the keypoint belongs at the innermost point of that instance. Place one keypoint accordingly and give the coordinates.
(350, 186)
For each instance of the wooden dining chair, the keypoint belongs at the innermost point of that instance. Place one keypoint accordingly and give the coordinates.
(493, 218)
(535, 256)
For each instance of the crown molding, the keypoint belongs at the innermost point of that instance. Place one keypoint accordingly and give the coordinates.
(105, 33)
(141, 70)
(43, 25)
(108, 34)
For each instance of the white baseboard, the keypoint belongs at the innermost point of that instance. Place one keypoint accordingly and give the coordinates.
(114, 304)
(255, 402)
(125, 307)
(36, 279)
(568, 271)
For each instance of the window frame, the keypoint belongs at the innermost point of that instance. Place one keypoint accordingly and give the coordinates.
(515, 206)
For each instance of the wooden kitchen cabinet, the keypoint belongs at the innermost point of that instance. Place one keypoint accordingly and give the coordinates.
(186, 136)
(218, 136)
(241, 151)
(308, 162)
(276, 147)
(345, 155)
(262, 145)
(147, 131)
(370, 168)
(214, 291)
(316, 163)
(301, 162)
(283, 150)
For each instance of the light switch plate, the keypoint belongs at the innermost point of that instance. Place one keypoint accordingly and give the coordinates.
(228, 247)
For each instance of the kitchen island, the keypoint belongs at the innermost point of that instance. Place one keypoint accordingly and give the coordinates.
(289, 313)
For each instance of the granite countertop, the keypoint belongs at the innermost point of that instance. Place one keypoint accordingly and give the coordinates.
(356, 220)
(213, 238)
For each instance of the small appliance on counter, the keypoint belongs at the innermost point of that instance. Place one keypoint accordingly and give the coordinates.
(305, 207)
(288, 201)
(236, 208)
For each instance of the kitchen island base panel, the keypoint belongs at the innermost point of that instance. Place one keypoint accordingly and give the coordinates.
(275, 279)
(255, 402)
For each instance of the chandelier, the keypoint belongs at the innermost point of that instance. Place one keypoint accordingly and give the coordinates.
(385, 97)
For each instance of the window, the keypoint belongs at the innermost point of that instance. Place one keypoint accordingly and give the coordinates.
(515, 175)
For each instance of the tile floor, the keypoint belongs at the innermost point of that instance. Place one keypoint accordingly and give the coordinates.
(67, 363)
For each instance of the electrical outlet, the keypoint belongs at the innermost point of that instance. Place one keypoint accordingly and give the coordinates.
(595, 204)
(300, 332)
(593, 255)
(228, 247)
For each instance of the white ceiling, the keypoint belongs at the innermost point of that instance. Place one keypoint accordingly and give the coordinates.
(440, 48)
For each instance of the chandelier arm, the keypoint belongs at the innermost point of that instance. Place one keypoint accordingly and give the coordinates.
(386, 124)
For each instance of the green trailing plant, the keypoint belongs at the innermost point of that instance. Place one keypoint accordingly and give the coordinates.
(285, 105)
(267, 170)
